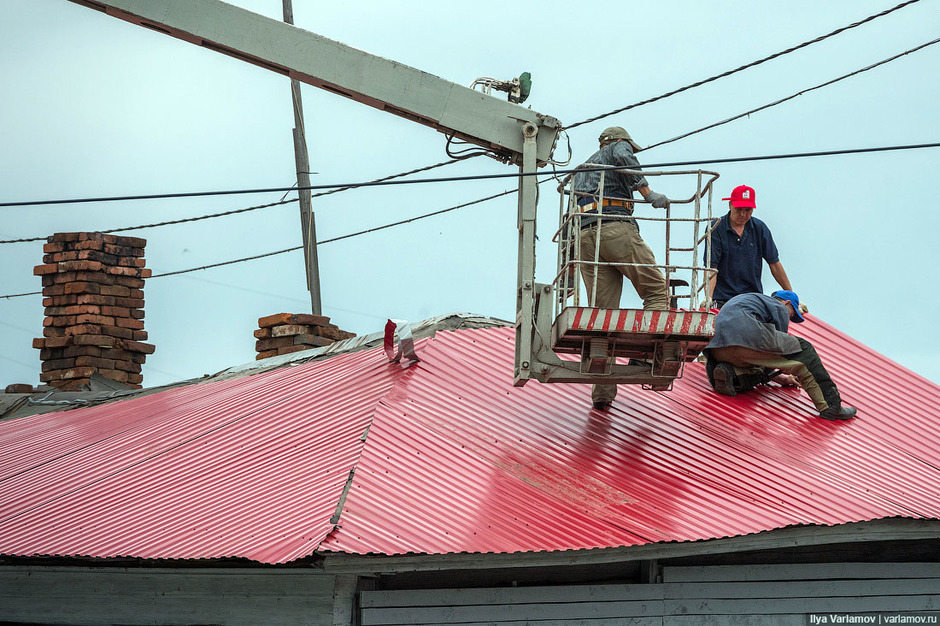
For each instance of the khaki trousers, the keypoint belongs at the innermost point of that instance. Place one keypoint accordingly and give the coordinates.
(620, 242)
(805, 365)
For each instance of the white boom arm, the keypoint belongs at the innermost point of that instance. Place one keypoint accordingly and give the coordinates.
(516, 134)
(452, 109)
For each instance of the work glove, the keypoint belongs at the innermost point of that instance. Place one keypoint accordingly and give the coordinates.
(658, 200)
(803, 308)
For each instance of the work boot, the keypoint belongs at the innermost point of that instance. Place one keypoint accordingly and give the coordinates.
(602, 396)
(723, 379)
(838, 412)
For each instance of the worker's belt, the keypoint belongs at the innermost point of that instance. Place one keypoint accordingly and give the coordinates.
(592, 206)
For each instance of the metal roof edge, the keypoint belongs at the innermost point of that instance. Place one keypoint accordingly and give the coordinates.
(885, 529)
(424, 328)
(50, 400)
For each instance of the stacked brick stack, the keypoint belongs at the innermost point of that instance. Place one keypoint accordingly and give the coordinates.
(284, 333)
(92, 287)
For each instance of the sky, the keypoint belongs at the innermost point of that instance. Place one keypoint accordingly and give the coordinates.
(92, 106)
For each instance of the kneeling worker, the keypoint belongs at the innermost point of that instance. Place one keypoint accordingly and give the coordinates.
(751, 330)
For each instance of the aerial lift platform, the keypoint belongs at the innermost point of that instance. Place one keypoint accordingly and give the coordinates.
(628, 346)
(556, 342)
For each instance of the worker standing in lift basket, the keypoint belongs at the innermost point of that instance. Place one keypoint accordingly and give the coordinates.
(620, 240)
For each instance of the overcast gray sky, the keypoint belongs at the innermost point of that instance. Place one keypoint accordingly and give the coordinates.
(93, 106)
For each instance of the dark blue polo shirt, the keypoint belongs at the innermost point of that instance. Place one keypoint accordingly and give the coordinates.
(739, 260)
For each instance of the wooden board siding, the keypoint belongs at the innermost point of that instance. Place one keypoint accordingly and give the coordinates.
(83, 595)
(727, 595)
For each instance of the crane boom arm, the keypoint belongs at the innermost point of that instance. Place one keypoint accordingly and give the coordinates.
(450, 108)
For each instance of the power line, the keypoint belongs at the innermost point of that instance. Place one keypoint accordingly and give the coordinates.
(252, 208)
(325, 241)
(795, 155)
(341, 237)
(390, 180)
(796, 95)
(228, 192)
(385, 180)
(348, 186)
(168, 223)
(475, 177)
(741, 68)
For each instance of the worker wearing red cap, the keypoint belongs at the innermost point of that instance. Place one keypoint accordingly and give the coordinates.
(739, 244)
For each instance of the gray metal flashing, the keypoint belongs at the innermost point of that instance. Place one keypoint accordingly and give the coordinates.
(889, 529)
(49, 400)
(419, 330)
(342, 499)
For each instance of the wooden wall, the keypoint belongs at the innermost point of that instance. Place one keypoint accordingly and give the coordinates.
(685, 596)
(134, 596)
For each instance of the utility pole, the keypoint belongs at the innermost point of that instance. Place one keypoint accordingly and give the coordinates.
(302, 161)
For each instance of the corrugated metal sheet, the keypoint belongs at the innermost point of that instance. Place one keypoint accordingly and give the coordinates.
(458, 460)
(251, 467)
(461, 461)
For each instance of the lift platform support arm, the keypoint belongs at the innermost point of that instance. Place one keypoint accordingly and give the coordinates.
(450, 108)
(516, 134)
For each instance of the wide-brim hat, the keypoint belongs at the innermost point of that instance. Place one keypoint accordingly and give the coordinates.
(618, 132)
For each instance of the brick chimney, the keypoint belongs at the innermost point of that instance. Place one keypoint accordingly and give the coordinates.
(92, 287)
(284, 333)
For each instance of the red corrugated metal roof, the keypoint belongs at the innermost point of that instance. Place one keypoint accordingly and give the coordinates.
(458, 460)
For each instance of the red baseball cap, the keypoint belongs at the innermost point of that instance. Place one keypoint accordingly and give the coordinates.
(743, 196)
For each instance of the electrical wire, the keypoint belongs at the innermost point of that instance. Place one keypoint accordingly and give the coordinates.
(475, 177)
(254, 208)
(389, 180)
(341, 237)
(334, 189)
(550, 175)
(741, 68)
(167, 223)
(796, 95)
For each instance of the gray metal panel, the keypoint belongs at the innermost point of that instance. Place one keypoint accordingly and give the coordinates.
(816, 571)
(594, 605)
(735, 620)
(894, 529)
(562, 613)
(511, 595)
(804, 588)
(83, 595)
(321, 62)
(801, 606)
(784, 595)
(600, 621)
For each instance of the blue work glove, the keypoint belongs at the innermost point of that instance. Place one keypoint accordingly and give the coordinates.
(658, 200)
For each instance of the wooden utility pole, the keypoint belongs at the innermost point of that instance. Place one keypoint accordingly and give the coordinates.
(307, 220)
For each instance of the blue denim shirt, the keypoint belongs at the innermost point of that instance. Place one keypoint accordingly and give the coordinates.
(616, 184)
